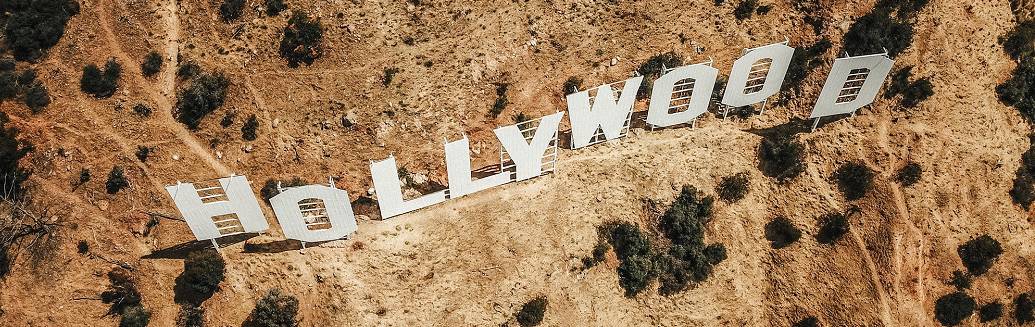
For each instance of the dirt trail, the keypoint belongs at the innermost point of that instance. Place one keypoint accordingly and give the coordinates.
(168, 78)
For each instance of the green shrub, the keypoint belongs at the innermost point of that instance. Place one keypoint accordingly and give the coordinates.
(116, 180)
(1023, 191)
(501, 100)
(877, 31)
(715, 253)
(230, 10)
(188, 69)
(269, 189)
(952, 309)
(275, 309)
(571, 85)
(1024, 309)
(33, 26)
(745, 9)
(1020, 42)
(142, 110)
(531, 314)
(302, 41)
(8, 86)
(832, 227)
(101, 84)
(274, 7)
(37, 97)
(654, 68)
(82, 247)
(143, 152)
(781, 158)
(854, 179)
(122, 292)
(598, 255)
(152, 64)
(191, 316)
(808, 322)
(202, 272)
(248, 130)
(84, 176)
(781, 232)
(1017, 91)
(205, 93)
(960, 280)
(909, 174)
(27, 77)
(135, 316)
(683, 222)
(979, 254)
(734, 187)
(635, 274)
(991, 311)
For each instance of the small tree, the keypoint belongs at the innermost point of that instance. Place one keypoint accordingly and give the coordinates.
(854, 179)
(910, 174)
(116, 180)
(231, 9)
(32, 27)
(191, 316)
(781, 232)
(276, 309)
(979, 254)
(781, 158)
(531, 314)
(202, 272)
(37, 97)
(991, 311)
(960, 280)
(952, 309)
(1023, 190)
(1020, 42)
(832, 227)
(205, 93)
(143, 152)
(248, 130)
(274, 7)
(654, 68)
(8, 86)
(302, 41)
(135, 316)
(877, 31)
(1016, 91)
(734, 187)
(745, 9)
(1024, 309)
(121, 293)
(101, 84)
(142, 110)
(152, 64)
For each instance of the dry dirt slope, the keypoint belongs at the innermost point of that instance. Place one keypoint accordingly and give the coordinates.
(474, 261)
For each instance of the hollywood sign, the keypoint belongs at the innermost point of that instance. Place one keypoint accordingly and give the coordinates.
(314, 213)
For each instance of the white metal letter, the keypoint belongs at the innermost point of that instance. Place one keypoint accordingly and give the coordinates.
(528, 156)
(458, 169)
(233, 197)
(853, 83)
(609, 115)
(747, 86)
(314, 213)
(670, 94)
(389, 190)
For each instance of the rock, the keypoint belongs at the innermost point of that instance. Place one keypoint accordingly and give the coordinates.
(248, 148)
(349, 119)
(219, 154)
(370, 191)
(176, 157)
(614, 61)
(419, 178)
(410, 193)
(103, 205)
(276, 122)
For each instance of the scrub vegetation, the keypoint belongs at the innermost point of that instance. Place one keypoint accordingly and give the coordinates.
(275, 309)
(653, 68)
(302, 41)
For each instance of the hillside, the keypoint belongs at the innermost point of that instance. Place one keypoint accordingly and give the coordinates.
(476, 260)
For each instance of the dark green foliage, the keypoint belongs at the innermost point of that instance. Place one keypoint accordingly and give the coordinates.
(11, 151)
(781, 232)
(781, 158)
(82, 247)
(952, 309)
(904, 9)
(116, 180)
(1023, 191)
(191, 316)
(274, 7)
(910, 174)
(854, 179)
(979, 254)
(531, 314)
(745, 9)
(84, 176)
(912, 92)
(684, 224)
(763, 9)
(98, 83)
(715, 253)
(877, 31)
(142, 110)
(121, 293)
(654, 68)
(1020, 42)
(389, 75)
(501, 100)
(202, 272)
(205, 93)
(143, 152)
(1024, 309)
(960, 280)
(831, 227)
(276, 309)
(1018, 91)
(7, 64)
(734, 187)
(248, 130)
(35, 25)
(227, 120)
(135, 316)
(27, 77)
(152, 64)
(37, 97)
(636, 262)
(804, 61)
(599, 254)
(8, 86)
(571, 85)
(808, 322)
(991, 311)
(635, 274)
(188, 69)
(684, 221)
(269, 189)
(231, 9)
(302, 40)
